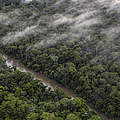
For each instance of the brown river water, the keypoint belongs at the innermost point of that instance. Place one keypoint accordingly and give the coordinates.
(10, 62)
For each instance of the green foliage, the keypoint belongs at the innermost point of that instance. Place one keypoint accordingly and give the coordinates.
(73, 117)
(76, 65)
(13, 107)
(94, 117)
(6, 5)
(33, 116)
(22, 98)
(49, 116)
(92, 81)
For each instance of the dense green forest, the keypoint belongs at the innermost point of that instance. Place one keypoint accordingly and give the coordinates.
(22, 98)
(86, 68)
(99, 84)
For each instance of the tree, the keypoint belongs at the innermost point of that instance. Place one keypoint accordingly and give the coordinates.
(13, 108)
(72, 117)
(49, 116)
(33, 116)
(94, 117)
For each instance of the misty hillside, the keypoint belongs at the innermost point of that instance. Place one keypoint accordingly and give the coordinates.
(94, 24)
(74, 42)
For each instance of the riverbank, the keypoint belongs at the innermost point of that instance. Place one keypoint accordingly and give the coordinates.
(10, 62)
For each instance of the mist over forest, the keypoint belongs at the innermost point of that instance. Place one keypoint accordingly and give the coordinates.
(95, 22)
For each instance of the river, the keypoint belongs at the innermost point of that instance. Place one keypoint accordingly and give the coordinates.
(10, 62)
